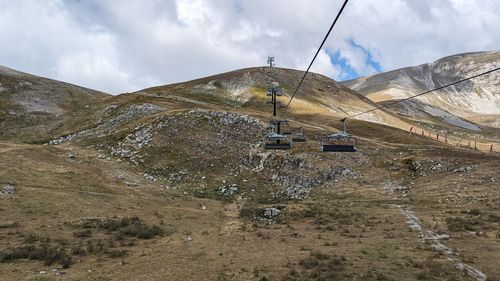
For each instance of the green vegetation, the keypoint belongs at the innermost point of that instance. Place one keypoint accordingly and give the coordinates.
(82, 233)
(121, 228)
(433, 269)
(462, 224)
(47, 254)
(320, 266)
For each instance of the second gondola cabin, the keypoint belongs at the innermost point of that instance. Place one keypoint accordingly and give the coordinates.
(276, 141)
(338, 142)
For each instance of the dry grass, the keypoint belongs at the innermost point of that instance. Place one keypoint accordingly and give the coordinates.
(347, 228)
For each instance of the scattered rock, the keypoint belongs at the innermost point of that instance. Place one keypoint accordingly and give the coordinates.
(8, 189)
(297, 186)
(271, 213)
(228, 190)
(111, 120)
(8, 224)
(150, 177)
(132, 184)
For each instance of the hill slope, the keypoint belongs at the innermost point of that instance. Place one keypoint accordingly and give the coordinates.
(246, 89)
(477, 100)
(34, 105)
(174, 181)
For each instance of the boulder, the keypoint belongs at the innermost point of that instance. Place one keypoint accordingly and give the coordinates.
(271, 213)
(9, 189)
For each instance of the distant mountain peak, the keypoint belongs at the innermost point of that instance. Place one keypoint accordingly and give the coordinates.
(472, 100)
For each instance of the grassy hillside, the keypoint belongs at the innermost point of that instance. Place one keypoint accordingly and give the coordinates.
(172, 183)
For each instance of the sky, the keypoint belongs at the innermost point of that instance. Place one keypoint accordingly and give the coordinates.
(120, 46)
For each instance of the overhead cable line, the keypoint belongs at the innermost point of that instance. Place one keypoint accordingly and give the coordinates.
(314, 58)
(421, 94)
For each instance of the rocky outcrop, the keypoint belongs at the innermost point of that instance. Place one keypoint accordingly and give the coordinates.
(8, 189)
(480, 96)
(228, 129)
(111, 120)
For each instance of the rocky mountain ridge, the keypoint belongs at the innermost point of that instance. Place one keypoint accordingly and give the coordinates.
(476, 100)
(174, 181)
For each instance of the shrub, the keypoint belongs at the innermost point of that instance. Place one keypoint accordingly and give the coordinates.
(116, 253)
(82, 233)
(78, 250)
(249, 212)
(9, 224)
(438, 270)
(130, 226)
(141, 231)
(320, 266)
(48, 255)
(461, 224)
(31, 238)
(472, 212)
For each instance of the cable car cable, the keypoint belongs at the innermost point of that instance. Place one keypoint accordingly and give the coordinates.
(314, 58)
(421, 94)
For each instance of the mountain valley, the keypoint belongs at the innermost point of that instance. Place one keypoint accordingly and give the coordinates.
(173, 183)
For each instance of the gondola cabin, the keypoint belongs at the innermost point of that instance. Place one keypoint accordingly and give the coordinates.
(338, 142)
(276, 141)
(299, 137)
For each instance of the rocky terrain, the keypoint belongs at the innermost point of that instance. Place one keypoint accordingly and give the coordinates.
(477, 100)
(172, 182)
(33, 107)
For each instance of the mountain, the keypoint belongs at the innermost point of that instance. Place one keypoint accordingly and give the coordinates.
(246, 89)
(30, 104)
(473, 101)
(173, 182)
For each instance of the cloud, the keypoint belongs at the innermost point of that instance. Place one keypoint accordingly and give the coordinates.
(119, 46)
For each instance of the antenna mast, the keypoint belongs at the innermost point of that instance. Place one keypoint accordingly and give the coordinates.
(270, 61)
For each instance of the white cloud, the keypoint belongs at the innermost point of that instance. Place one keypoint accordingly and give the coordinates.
(41, 38)
(118, 46)
(322, 64)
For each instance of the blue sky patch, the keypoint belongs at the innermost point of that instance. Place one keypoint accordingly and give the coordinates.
(347, 71)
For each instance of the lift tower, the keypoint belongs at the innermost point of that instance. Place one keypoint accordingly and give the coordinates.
(270, 61)
(275, 139)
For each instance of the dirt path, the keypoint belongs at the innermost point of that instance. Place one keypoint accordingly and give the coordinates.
(428, 236)
(7, 146)
(232, 223)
